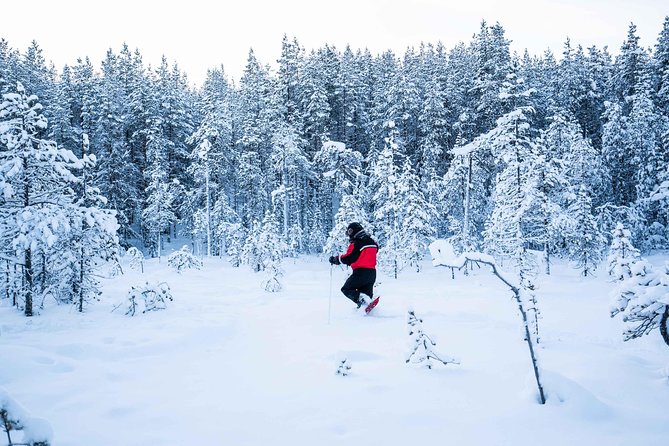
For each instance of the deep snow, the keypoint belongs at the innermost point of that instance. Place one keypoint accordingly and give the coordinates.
(228, 363)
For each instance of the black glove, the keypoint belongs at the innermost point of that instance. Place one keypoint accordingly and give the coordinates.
(334, 260)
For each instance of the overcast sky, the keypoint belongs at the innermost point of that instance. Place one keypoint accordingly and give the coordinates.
(201, 34)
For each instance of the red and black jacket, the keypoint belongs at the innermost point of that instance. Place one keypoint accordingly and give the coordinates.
(361, 252)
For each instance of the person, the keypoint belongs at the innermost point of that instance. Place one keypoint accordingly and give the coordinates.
(361, 257)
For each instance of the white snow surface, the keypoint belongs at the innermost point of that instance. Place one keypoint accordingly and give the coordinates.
(227, 363)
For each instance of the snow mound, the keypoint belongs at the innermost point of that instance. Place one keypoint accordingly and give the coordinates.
(570, 395)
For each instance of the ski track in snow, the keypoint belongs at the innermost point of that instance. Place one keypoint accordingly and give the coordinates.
(227, 363)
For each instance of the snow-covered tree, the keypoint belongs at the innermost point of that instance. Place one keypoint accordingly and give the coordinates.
(643, 300)
(586, 242)
(290, 168)
(515, 152)
(159, 212)
(622, 254)
(270, 249)
(183, 259)
(350, 210)
(201, 171)
(387, 206)
(340, 169)
(417, 220)
(92, 239)
(14, 418)
(38, 209)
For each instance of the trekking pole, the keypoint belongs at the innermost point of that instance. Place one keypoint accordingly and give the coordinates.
(330, 298)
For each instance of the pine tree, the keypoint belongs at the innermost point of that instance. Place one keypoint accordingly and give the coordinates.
(340, 169)
(622, 254)
(584, 237)
(387, 208)
(92, 241)
(645, 128)
(350, 210)
(115, 167)
(290, 168)
(515, 151)
(417, 219)
(492, 66)
(643, 300)
(158, 213)
(617, 155)
(36, 181)
(661, 62)
(58, 238)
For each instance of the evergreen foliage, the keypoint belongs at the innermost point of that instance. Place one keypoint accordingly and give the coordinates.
(183, 259)
(643, 300)
(622, 254)
(509, 153)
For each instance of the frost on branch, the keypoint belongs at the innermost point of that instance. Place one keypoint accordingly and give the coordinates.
(183, 259)
(421, 349)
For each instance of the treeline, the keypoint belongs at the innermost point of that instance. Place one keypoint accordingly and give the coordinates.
(500, 152)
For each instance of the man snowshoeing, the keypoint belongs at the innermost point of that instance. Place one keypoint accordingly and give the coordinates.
(361, 257)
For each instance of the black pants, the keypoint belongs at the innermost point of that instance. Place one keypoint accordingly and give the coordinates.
(360, 281)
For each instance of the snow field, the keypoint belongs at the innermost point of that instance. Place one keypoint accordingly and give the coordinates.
(228, 363)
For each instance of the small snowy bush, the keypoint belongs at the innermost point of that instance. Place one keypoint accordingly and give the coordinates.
(343, 368)
(183, 259)
(273, 272)
(13, 417)
(136, 259)
(421, 345)
(148, 298)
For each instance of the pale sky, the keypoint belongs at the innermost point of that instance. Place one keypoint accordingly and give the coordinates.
(201, 34)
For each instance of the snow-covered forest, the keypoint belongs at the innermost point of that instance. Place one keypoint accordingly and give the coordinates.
(553, 168)
(499, 152)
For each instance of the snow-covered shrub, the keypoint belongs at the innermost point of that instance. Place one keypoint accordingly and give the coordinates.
(343, 368)
(135, 259)
(115, 269)
(272, 273)
(621, 254)
(421, 345)
(643, 299)
(147, 298)
(183, 259)
(13, 417)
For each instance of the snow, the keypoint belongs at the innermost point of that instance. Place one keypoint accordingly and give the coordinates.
(227, 363)
(334, 145)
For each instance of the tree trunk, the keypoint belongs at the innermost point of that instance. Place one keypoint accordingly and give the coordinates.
(81, 280)
(28, 273)
(465, 224)
(528, 335)
(208, 210)
(663, 325)
(547, 258)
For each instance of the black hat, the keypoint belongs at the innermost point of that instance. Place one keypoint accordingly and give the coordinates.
(354, 228)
